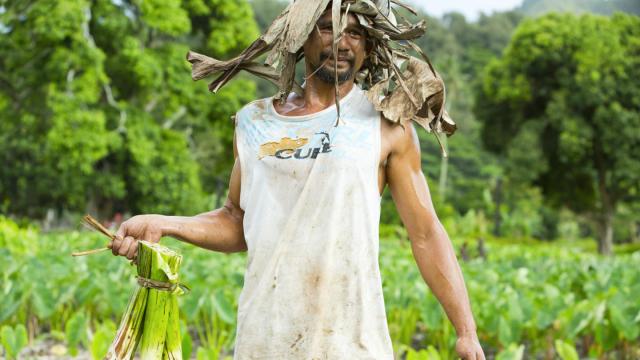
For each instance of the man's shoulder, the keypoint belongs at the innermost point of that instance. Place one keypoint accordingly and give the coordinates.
(398, 135)
(255, 106)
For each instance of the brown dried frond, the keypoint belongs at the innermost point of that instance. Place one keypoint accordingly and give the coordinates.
(92, 223)
(416, 93)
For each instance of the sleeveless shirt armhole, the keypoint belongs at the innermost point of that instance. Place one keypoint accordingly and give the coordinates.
(240, 146)
(378, 150)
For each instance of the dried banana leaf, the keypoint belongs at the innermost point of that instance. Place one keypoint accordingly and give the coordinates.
(417, 93)
(428, 91)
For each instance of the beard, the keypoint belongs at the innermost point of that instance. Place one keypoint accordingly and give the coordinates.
(327, 73)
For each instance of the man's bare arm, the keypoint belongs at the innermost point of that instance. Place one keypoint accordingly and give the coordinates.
(430, 243)
(218, 230)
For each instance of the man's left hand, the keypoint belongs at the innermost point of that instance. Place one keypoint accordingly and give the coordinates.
(468, 347)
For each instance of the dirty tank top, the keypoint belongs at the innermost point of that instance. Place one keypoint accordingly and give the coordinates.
(312, 287)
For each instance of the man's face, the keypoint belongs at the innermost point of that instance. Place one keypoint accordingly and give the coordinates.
(351, 49)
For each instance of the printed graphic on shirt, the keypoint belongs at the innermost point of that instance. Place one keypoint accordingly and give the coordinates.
(288, 148)
(286, 143)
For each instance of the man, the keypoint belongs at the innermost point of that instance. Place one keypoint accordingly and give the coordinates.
(304, 201)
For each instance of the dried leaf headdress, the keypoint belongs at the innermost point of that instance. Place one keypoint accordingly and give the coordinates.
(417, 93)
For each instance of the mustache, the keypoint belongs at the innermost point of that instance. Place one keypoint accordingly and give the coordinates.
(325, 55)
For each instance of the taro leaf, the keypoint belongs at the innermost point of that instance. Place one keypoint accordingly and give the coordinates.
(206, 354)
(11, 303)
(192, 305)
(13, 340)
(432, 353)
(187, 342)
(566, 351)
(43, 302)
(75, 329)
(622, 317)
(505, 335)
(513, 352)
(223, 307)
(429, 354)
(516, 317)
(606, 335)
(431, 313)
(102, 339)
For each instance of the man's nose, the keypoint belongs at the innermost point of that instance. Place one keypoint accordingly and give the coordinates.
(343, 44)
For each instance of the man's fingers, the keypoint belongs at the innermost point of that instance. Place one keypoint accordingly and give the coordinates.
(115, 245)
(133, 249)
(480, 355)
(122, 230)
(124, 248)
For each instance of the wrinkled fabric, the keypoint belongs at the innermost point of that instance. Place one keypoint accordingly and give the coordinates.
(312, 287)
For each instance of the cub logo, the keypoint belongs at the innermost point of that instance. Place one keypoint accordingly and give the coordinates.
(288, 148)
(271, 148)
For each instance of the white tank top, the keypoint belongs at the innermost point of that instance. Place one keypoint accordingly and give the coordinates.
(312, 287)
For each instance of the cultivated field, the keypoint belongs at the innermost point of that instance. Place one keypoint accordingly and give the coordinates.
(530, 301)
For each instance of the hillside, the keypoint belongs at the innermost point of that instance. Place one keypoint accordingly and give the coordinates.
(603, 7)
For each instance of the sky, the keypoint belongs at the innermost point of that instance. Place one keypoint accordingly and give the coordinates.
(470, 8)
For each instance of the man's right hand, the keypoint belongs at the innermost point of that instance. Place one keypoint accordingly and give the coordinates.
(140, 227)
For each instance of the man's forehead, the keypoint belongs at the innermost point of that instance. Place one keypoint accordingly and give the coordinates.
(325, 18)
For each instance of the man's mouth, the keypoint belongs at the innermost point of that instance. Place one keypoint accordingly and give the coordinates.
(341, 59)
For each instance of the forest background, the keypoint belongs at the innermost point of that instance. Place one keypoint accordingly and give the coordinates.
(99, 115)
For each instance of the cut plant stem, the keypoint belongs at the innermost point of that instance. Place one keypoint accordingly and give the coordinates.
(89, 252)
(151, 321)
(93, 224)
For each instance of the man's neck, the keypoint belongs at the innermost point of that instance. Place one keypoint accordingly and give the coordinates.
(321, 94)
(318, 95)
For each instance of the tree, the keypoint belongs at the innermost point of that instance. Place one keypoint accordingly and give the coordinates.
(603, 7)
(562, 105)
(98, 110)
(460, 50)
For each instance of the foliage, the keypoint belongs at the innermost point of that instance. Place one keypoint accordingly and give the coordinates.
(566, 351)
(13, 339)
(98, 107)
(102, 339)
(560, 104)
(579, 298)
(603, 7)
(75, 332)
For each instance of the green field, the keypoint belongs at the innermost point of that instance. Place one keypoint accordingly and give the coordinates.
(541, 301)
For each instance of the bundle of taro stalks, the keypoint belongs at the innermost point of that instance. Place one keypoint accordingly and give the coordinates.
(151, 321)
